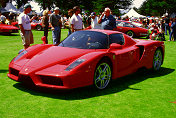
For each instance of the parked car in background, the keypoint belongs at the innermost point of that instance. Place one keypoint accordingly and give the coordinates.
(34, 25)
(4, 28)
(133, 29)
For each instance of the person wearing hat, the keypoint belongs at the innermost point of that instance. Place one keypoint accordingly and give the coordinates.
(25, 26)
(94, 21)
(56, 24)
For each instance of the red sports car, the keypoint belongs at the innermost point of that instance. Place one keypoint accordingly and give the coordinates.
(132, 29)
(89, 57)
(34, 25)
(8, 29)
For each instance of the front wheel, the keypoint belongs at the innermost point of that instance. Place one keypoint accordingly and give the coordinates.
(157, 60)
(39, 27)
(130, 33)
(102, 75)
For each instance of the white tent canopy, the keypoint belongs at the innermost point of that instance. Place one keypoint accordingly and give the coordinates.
(132, 13)
(9, 7)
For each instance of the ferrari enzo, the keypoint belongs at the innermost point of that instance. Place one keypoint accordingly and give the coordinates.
(89, 57)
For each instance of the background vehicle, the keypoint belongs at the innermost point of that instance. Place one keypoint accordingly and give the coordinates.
(132, 29)
(8, 29)
(34, 25)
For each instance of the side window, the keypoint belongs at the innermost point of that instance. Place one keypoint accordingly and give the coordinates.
(120, 24)
(116, 38)
(128, 25)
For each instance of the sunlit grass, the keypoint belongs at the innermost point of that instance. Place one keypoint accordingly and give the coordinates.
(141, 95)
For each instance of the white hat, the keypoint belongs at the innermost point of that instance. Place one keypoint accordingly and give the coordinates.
(57, 8)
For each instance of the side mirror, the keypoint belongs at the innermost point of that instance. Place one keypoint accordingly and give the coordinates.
(114, 46)
(43, 39)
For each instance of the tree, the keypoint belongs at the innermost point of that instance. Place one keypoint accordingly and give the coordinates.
(157, 7)
(114, 5)
(3, 3)
(87, 5)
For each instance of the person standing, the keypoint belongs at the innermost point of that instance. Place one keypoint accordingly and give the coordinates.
(173, 28)
(94, 21)
(70, 13)
(167, 27)
(107, 21)
(76, 20)
(2, 18)
(45, 24)
(56, 24)
(25, 26)
(85, 20)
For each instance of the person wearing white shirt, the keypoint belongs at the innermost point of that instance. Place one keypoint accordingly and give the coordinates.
(76, 20)
(25, 26)
(94, 21)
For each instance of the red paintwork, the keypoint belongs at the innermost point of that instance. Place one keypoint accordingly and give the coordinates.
(8, 28)
(33, 24)
(49, 62)
(138, 31)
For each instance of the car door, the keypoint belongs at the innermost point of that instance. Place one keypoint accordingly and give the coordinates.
(128, 26)
(125, 58)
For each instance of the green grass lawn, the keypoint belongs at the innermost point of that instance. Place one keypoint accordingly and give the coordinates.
(144, 94)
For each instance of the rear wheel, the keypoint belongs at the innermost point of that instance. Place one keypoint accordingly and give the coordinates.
(102, 75)
(157, 60)
(16, 25)
(39, 28)
(130, 33)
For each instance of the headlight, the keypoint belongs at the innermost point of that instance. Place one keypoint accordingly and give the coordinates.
(20, 54)
(74, 64)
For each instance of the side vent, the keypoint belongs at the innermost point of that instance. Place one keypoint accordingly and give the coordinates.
(141, 48)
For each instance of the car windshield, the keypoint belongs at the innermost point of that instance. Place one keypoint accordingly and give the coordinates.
(86, 40)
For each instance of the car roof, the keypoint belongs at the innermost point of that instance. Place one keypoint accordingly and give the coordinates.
(108, 32)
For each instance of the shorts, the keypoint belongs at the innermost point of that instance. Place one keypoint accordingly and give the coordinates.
(27, 39)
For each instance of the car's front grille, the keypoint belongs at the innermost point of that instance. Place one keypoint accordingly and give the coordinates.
(51, 80)
(25, 79)
(14, 71)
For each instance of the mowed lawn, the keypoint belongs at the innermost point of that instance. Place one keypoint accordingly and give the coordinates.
(145, 94)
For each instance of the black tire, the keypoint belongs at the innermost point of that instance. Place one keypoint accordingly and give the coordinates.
(157, 59)
(130, 33)
(16, 25)
(103, 74)
(38, 27)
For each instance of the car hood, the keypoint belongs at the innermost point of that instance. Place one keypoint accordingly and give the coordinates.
(52, 56)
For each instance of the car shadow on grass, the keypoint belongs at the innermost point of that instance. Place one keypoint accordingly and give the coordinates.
(9, 34)
(116, 86)
(3, 71)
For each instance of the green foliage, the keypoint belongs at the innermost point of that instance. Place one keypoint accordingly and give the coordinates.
(3, 3)
(157, 7)
(89, 6)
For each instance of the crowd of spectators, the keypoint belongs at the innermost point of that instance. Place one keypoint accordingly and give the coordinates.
(75, 21)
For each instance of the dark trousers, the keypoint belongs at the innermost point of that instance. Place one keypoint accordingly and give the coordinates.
(46, 34)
